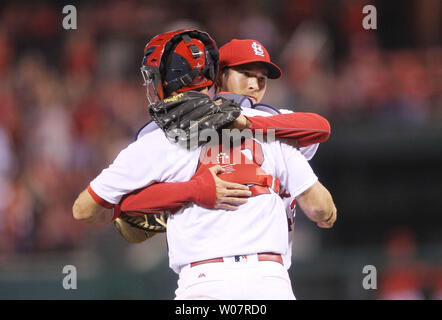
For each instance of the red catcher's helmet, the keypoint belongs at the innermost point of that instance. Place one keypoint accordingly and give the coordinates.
(179, 61)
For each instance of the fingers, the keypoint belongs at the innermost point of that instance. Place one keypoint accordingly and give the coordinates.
(229, 195)
(225, 206)
(240, 123)
(237, 193)
(328, 224)
(234, 201)
(217, 169)
(231, 199)
(324, 225)
(232, 185)
(233, 196)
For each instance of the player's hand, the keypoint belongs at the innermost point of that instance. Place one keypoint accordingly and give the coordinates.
(241, 123)
(229, 195)
(176, 115)
(328, 223)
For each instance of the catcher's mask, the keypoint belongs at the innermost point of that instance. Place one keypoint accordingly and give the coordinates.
(179, 61)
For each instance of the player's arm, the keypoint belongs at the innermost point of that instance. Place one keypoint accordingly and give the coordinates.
(303, 127)
(317, 203)
(86, 208)
(205, 189)
(298, 178)
(135, 167)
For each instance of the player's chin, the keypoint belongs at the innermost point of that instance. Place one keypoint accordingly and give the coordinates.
(254, 100)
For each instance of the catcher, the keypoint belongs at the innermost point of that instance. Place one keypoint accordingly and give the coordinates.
(122, 178)
(193, 59)
(147, 210)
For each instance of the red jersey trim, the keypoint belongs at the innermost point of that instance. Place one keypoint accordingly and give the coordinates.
(99, 200)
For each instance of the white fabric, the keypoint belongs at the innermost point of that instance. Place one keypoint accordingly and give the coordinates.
(195, 233)
(260, 225)
(151, 158)
(308, 152)
(243, 279)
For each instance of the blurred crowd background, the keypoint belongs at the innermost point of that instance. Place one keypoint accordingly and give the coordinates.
(70, 100)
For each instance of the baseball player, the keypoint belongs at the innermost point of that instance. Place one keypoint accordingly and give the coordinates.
(302, 129)
(217, 253)
(245, 66)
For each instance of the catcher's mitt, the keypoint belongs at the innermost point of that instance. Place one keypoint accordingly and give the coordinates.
(140, 227)
(182, 116)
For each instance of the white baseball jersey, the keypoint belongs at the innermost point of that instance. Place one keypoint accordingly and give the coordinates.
(289, 200)
(195, 233)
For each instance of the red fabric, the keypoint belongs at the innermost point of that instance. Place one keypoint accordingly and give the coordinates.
(201, 189)
(306, 128)
(246, 173)
(238, 52)
(249, 173)
(204, 183)
(240, 169)
(99, 200)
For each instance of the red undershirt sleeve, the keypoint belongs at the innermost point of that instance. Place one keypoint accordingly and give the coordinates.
(201, 189)
(303, 127)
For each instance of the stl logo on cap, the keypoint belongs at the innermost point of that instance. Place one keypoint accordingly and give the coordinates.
(258, 49)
